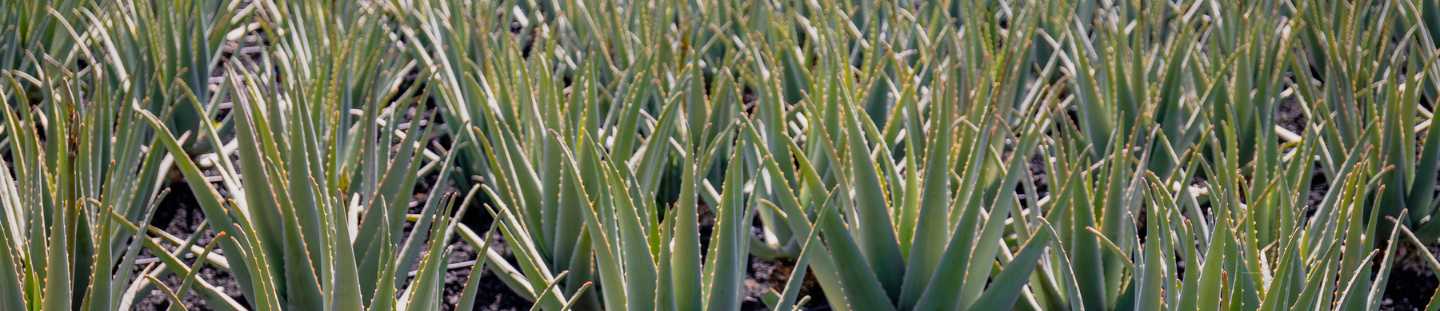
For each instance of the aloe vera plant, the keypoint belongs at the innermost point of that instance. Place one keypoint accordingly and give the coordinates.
(646, 155)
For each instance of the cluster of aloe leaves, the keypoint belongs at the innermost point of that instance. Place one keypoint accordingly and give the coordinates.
(642, 154)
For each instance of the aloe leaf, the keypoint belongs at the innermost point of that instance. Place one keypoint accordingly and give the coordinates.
(685, 248)
(1006, 287)
(877, 235)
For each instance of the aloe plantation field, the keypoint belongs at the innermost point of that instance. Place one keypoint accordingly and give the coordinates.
(850, 155)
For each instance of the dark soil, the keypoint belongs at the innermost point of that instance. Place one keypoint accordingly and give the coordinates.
(1412, 282)
(492, 294)
(1291, 116)
(179, 215)
(767, 275)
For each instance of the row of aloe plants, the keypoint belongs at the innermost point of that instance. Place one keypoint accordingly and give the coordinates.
(905, 155)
